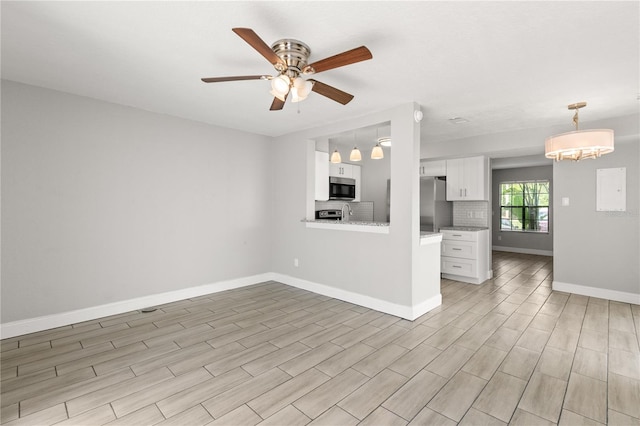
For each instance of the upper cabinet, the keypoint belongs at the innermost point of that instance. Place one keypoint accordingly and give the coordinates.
(348, 171)
(322, 176)
(468, 179)
(433, 168)
(341, 170)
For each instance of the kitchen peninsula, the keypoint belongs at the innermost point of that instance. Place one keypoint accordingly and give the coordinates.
(374, 258)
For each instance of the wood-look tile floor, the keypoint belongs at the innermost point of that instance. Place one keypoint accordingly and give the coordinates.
(507, 351)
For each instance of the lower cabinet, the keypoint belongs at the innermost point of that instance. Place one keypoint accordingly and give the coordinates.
(465, 255)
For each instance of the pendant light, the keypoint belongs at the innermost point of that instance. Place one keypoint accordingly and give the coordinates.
(355, 155)
(335, 157)
(376, 152)
(579, 144)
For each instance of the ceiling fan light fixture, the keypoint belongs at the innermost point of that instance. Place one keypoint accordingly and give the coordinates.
(579, 144)
(303, 86)
(385, 141)
(295, 96)
(282, 97)
(355, 155)
(300, 89)
(377, 153)
(335, 157)
(281, 84)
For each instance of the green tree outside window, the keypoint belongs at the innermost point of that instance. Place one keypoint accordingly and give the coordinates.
(524, 206)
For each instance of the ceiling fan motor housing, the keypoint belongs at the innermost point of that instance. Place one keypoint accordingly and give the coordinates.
(294, 53)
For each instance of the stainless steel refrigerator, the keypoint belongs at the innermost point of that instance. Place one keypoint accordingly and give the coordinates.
(435, 210)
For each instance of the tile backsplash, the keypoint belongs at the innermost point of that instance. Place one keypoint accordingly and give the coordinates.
(471, 213)
(362, 211)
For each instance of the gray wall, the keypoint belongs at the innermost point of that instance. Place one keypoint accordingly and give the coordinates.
(597, 249)
(521, 240)
(104, 203)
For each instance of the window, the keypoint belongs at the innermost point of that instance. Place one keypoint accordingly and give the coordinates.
(524, 206)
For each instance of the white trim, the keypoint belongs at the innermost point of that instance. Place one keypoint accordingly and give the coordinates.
(402, 311)
(426, 306)
(32, 325)
(463, 279)
(469, 280)
(523, 250)
(600, 293)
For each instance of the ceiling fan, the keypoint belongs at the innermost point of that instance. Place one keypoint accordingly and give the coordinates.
(290, 59)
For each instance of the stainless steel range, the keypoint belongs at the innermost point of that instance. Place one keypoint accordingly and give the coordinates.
(329, 214)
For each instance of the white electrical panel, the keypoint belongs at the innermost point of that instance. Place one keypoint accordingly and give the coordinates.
(611, 189)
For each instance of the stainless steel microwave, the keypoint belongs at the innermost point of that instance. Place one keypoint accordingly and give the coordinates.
(342, 188)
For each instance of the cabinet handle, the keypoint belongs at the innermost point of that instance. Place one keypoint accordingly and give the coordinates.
(457, 266)
(456, 249)
(465, 192)
(457, 235)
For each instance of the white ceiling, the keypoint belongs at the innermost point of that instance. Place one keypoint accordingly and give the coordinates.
(504, 66)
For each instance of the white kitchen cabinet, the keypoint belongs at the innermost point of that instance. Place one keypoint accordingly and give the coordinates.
(468, 179)
(433, 168)
(322, 176)
(346, 170)
(465, 255)
(340, 170)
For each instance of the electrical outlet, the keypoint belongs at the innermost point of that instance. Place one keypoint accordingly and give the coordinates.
(499, 238)
(470, 214)
(295, 262)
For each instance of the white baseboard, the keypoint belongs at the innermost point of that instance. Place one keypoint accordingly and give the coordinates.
(523, 250)
(469, 280)
(402, 311)
(426, 306)
(601, 293)
(32, 325)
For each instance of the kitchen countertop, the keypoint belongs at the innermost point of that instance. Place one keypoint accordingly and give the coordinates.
(346, 222)
(352, 225)
(464, 228)
(429, 237)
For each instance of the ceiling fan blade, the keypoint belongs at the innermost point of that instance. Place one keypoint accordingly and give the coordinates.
(248, 35)
(235, 78)
(277, 104)
(331, 92)
(341, 59)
